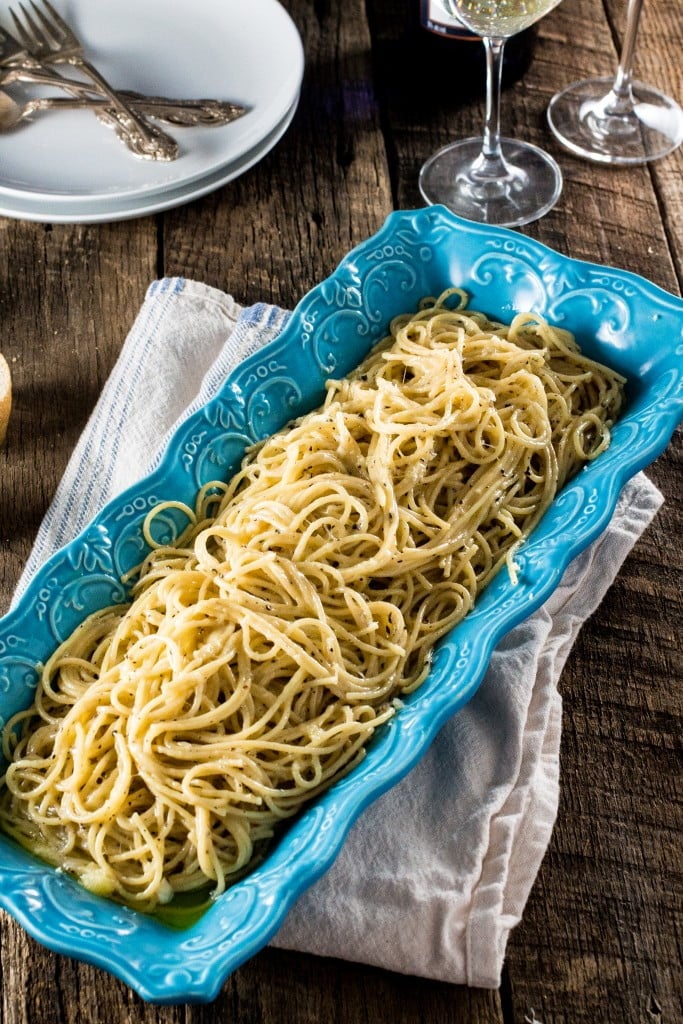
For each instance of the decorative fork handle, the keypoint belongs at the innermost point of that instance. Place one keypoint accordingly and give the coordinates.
(143, 139)
(153, 145)
(184, 112)
(181, 112)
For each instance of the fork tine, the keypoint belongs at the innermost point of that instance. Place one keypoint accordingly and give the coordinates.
(22, 33)
(32, 34)
(57, 24)
(55, 33)
(11, 48)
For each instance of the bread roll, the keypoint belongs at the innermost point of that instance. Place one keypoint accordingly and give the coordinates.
(5, 396)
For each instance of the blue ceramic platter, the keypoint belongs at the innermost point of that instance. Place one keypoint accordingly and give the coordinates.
(622, 319)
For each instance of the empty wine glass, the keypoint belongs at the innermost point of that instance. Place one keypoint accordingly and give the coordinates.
(617, 120)
(494, 180)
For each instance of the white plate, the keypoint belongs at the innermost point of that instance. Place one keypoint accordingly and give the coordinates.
(41, 209)
(245, 51)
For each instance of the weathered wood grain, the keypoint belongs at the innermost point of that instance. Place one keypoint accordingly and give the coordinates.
(657, 62)
(68, 294)
(600, 928)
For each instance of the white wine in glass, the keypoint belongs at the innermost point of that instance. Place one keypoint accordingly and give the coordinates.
(491, 179)
(617, 120)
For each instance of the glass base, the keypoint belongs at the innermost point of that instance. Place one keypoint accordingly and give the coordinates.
(457, 178)
(583, 119)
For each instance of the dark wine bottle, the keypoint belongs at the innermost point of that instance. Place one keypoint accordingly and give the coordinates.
(456, 54)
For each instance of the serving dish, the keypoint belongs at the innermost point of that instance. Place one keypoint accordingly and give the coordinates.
(618, 317)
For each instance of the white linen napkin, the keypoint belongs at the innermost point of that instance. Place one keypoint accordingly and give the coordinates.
(436, 872)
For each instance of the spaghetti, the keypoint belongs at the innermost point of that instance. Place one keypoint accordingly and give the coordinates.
(169, 737)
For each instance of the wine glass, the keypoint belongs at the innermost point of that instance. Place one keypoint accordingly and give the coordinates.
(616, 120)
(494, 180)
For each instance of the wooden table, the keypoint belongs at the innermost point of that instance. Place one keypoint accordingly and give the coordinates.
(600, 939)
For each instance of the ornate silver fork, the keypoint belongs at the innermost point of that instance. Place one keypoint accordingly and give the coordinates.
(183, 113)
(17, 65)
(49, 39)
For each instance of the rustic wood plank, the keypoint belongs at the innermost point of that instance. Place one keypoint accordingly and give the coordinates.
(597, 941)
(68, 294)
(657, 62)
(280, 987)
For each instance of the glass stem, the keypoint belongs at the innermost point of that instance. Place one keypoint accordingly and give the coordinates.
(490, 162)
(620, 98)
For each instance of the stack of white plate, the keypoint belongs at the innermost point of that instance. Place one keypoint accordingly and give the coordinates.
(68, 167)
